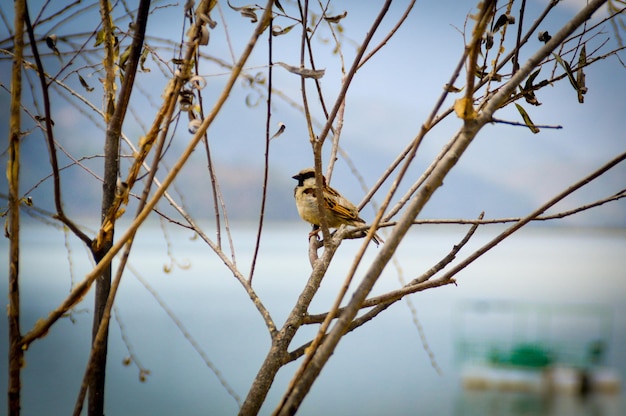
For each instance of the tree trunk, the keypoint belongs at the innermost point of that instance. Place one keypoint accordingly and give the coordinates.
(103, 283)
(16, 353)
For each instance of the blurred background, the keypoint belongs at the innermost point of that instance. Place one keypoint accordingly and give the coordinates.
(180, 312)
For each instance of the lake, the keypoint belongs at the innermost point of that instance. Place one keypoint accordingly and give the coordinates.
(381, 368)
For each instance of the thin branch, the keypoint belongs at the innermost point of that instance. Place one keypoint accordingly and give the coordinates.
(187, 335)
(42, 326)
(447, 259)
(518, 41)
(390, 34)
(407, 154)
(423, 282)
(472, 125)
(518, 124)
(50, 137)
(419, 285)
(94, 376)
(283, 406)
(266, 162)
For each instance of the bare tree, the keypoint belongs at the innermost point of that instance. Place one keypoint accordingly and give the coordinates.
(485, 80)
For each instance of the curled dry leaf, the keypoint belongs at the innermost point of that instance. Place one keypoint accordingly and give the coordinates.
(281, 130)
(488, 40)
(84, 83)
(503, 20)
(337, 18)
(464, 108)
(304, 72)
(142, 60)
(277, 30)
(194, 126)
(246, 11)
(51, 42)
(544, 36)
(452, 88)
(204, 36)
(279, 6)
(185, 100)
(206, 19)
(197, 82)
(189, 5)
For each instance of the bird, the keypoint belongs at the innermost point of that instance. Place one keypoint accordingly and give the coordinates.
(339, 210)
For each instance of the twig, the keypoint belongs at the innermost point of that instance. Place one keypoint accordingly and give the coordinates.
(286, 406)
(266, 162)
(517, 123)
(143, 371)
(105, 291)
(418, 285)
(50, 137)
(301, 384)
(447, 259)
(42, 326)
(392, 32)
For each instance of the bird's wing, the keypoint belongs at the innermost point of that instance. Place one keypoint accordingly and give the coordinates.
(341, 207)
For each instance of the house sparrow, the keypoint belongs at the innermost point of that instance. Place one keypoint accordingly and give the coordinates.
(338, 210)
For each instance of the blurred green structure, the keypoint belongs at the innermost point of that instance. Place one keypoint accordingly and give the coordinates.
(531, 335)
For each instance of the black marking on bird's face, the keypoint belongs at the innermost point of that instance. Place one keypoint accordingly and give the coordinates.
(303, 176)
(300, 179)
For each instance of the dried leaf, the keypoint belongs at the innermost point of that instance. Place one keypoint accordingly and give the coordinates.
(142, 60)
(502, 20)
(277, 30)
(204, 36)
(51, 42)
(544, 36)
(253, 100)
(304, 72)
(197, 82)
(207, 20)
(124, 58)
(452, 88)
(527, 91)
(527, 119)
(531, 79)
(43, 120)
(464, 108)
(337, 18)
(194, 126)
(567, 69)
(99, 38)
(259, 78)
(488, 40)
(279, 6)
(281, 130)
(246, 11)
(84, 83)
(530, 98)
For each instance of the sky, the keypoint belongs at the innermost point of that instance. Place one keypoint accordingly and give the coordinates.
(507, 170)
